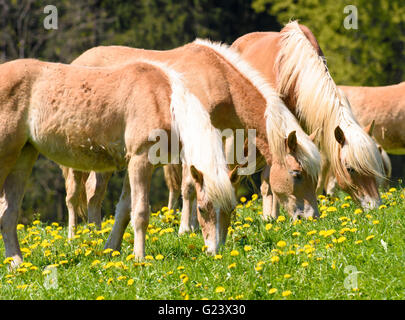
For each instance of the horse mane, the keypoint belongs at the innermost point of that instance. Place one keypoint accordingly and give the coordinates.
(279, 120)
(321, 104)
(202, 143)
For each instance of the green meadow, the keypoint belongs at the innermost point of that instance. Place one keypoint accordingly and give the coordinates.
(344, 254)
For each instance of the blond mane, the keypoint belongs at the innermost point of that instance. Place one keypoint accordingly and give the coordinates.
(279, 120)
(202, 143)
(321, 104)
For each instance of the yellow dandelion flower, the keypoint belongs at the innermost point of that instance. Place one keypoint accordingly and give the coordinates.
(312, 232)
(286, 293)
(100, 298)
(331, 209)
(115, 253)
(358, 211)
(304, 264)
(159, 257)
(272, 290)
(281, 244)
(232, 265)
(220, 289)
(268, 226)
(130, 282)
(108, 250)
(247, 248)
(218, 257)
(130, 257)
(287, 276)
(376, 222)
(234, 253)
(280, 219)
(370, 237)
(243, 199)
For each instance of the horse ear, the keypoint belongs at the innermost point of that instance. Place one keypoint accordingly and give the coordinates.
(340, 136)
(197, 175)
(370, 128)
(315, 134)
(233, 175)
(292, 141)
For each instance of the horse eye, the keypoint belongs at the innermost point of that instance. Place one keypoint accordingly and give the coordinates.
(350, 170)
(296, 174)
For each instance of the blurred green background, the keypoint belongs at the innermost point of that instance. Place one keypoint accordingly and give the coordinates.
(371, 55)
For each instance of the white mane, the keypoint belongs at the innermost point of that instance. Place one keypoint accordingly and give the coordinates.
(279, 120)
(321, 104)
(202, 143)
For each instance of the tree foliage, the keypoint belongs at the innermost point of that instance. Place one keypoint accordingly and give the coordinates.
(373, 54)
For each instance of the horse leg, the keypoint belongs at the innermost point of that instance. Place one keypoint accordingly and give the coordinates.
(172, 174)
(96, 186)
(266, 194)
(10, 201)
(140, 174)
(122, 217)
(325, 165)
(74, 193)
(188, 192)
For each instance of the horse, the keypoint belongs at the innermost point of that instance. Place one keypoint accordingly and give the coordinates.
(385, 106)
(237, 96)
(293, 62)
(101, 119)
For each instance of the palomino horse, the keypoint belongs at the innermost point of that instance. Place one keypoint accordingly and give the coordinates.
(101, 119)
(236, 96)
(330, 181)
(386, 106)
(293, 62)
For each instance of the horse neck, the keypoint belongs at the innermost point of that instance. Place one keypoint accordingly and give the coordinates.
(250, 107)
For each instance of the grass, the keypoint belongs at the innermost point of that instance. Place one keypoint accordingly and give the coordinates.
(311, 259)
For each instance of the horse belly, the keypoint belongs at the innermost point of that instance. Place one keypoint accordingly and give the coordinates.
(82, 144)
(85, 157)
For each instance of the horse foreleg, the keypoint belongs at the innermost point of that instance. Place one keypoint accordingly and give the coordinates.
(140, 174)
(96, 186)
(10, 201)
(325, 166)
(172, 174)
(74, 197)
(189, 195)
(266, 194)
(122, 217)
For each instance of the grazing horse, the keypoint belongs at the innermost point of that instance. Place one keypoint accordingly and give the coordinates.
(236, 96)
(386, 106)
(101, 119)
(293, 62)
